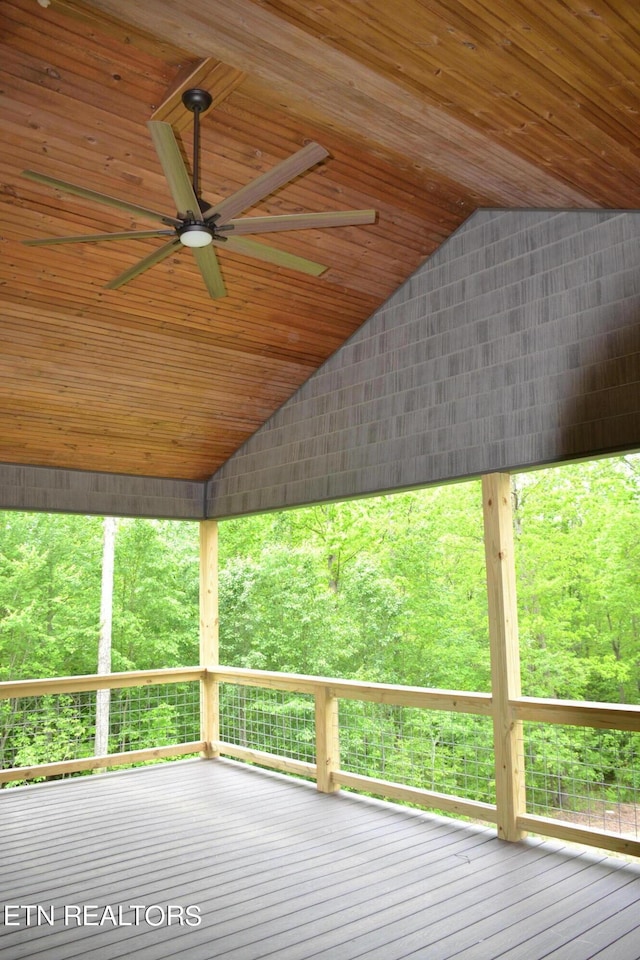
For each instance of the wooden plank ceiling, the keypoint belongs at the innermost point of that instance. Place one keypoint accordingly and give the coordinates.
(429, 108)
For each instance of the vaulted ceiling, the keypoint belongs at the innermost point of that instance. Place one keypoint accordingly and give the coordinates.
(429, 109)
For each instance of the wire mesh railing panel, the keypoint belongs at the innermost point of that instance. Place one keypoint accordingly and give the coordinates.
(273, 721)
(47, 729)
(586, 776)
(59, 727)
(154, 716)
(432, 750)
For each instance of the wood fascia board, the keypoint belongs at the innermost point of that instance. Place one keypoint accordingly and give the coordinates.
(313, 80)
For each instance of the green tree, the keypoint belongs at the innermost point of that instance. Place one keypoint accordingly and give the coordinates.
(577, 551)
(155, 615)
(49, 580)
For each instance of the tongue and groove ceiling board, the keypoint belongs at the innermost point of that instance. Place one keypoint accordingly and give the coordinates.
(430, 110)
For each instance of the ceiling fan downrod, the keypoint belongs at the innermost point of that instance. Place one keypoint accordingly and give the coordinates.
(197, 233)
(197, 100)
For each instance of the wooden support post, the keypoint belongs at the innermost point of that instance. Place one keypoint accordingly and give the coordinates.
(505, 651)
(327, 740)
(209, 658)
(103, 697)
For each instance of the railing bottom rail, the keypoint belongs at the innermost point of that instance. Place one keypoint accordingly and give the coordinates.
(62, 767)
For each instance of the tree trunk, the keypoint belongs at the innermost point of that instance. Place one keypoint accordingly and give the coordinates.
(103, 697)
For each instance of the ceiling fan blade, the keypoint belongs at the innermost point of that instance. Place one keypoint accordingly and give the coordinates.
(249, 248)
(210, 270)
(144, 264)
(298, 221)
(98, 237)
(168, 151)
(267, 183)
(99, 197)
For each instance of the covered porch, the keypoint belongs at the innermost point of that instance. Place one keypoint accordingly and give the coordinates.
(207, 857)
(210, 859)
(492, 757)
(487, 323)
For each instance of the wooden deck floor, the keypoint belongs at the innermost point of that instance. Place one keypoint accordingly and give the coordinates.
(278, 870)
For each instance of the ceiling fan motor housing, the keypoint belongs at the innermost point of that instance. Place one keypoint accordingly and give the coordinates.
(195, 234)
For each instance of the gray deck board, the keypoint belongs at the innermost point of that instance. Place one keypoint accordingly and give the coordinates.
(281, 871)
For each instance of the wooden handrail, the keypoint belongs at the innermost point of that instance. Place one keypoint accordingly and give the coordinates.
(425, 798)
(454, 701)
(587, 713)
(10, 689)
(580, 713)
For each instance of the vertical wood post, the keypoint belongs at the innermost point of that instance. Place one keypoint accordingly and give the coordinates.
(209, 658)
(103, 697)
(505, 651)
(327, 740)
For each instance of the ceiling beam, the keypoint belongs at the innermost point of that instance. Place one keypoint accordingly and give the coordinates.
(309, 78)
(216, 78)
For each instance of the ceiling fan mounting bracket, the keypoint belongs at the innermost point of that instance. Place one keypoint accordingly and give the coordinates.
(197, 99)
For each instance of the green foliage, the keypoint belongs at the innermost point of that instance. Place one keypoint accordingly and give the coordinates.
(156, 726)
(50, 595)
(433, 750)
(49, 567)
(386, 589)
(155, 616)
(578, 561)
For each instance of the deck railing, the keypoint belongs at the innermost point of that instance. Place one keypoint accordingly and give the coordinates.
(432, 748)
(56, 718)
(341, 750)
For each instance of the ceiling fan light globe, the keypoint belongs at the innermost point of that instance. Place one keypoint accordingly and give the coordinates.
(195, 235)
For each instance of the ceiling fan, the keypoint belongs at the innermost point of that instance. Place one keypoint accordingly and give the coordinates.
(203, 226)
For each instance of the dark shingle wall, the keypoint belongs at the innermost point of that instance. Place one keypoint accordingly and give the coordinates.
(517, 343)
(75, 491)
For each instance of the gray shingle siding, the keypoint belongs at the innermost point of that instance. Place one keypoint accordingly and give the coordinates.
(517, 343)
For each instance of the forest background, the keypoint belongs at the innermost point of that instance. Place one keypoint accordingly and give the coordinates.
(388, 589)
